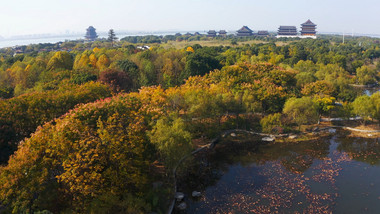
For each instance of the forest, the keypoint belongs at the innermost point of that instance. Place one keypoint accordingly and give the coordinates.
(98, 128)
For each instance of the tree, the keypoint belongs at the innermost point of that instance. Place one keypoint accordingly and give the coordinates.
(318, 88)
(200, 63)
(364, 107)
(190, 49)
(103, 62)
(131, 69)
(117, 80)
(61, 59)
(20, 116)
(301, 110)
(82, 62)
(325, 104)
(111, 37)
(366, 75)
(376, 104)
(271, 122)
(171, 139)
(94, 154)
(304, 78)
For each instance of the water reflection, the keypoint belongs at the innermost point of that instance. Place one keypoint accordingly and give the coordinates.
(305, 177)
(367, 151)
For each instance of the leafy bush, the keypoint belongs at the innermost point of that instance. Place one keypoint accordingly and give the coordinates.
(271, 123)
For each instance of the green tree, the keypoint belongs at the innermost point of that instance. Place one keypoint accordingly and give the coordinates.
(364, 107)
(301, 110)
(112, 37)
(365, 75)
(171, 139)
(200, 63)
(304, 78)
(270, 122)
(132, 70)
(376, 104)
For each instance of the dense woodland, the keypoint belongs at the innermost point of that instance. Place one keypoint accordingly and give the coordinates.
(90, 127)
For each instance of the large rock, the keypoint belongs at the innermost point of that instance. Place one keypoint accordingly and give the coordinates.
(179, 196)
(267, 139)
(182, 206)
(196, 194)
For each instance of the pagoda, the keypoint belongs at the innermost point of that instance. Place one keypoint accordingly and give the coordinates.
(287, 31)
(223, 33)
(262, 33)
(308, 28)
(244, 31)
(211, 33)
(91, 34)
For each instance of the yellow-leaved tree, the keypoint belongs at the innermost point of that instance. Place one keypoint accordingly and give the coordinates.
(103, 62)
(61, 59)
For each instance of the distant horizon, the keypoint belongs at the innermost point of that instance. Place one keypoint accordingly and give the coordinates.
(164, 32)
(31, 17)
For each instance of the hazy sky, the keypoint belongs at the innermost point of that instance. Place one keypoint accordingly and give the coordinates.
(20, 17)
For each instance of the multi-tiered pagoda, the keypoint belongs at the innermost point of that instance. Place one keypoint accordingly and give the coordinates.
(244, 31)
(91, 34)
(308, 28)
(287, 31)
(262, 33)
(223, 33)
(211, 33)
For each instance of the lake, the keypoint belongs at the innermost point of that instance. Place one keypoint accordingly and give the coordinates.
(335, 174)
(10, 42)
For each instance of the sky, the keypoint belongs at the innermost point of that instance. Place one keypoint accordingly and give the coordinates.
(26, 17)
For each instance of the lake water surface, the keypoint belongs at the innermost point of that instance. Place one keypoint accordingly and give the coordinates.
(332, 175)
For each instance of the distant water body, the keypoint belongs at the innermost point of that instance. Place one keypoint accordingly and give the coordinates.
(27, 41)
(11, 42)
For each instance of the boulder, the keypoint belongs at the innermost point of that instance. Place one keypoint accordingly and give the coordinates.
(182, 206)
(196, 194)
(267, 139)
(292, 136)
(179, 196)
(233, 134)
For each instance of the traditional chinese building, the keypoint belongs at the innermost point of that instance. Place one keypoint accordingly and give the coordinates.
(308, 28)
(211, 33)
(287, 31)
(244, 31)
(91, 34)
(262, 33)
(223, 33)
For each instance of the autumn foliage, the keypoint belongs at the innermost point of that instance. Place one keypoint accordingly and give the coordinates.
(100, 155)
(20, 116)
(78, 149)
